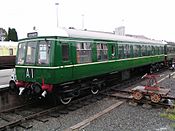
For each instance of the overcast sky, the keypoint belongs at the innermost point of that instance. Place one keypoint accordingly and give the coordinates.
(152, 18)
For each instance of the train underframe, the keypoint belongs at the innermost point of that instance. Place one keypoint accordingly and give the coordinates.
(65, 92)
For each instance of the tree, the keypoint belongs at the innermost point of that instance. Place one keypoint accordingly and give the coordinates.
(3, 34)
(12, 35)
(9, 34)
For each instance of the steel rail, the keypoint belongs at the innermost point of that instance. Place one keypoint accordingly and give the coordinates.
(17, 122)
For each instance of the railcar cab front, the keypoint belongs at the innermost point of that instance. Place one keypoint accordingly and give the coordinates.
(33, 66)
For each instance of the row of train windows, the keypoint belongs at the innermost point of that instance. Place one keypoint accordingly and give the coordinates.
(84, 51)
(127, 51)
(170, 49)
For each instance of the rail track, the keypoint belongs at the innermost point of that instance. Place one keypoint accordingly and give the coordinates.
(55, 111)
(118, 94)
(41, 114)
(122, 96)
(126, 93)
(21, 117)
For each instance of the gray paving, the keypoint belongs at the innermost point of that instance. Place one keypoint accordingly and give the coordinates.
(5, 76)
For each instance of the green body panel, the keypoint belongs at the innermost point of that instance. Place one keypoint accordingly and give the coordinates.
(78, 71)
(38, 75)
(82, 71)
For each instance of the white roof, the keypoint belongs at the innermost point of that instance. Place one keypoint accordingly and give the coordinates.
(74, 33)
(8, 44)
(53, 32)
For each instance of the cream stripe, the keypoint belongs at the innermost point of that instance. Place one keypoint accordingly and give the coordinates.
(67, 66)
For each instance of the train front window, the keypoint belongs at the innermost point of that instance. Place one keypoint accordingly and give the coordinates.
(44, 52)
(31, 52)
(21, 53)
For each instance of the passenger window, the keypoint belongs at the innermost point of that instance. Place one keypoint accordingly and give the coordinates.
(158, 51)
(136, 50)
(149, 50)
(126, 51)
(11, 51)
(120, 51)
(84, 52)
(162, 50)
(113, 51)
(102, 52)
(153, 50)
(65, 52)
(143, 49)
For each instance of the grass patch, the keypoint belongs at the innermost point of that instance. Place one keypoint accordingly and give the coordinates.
(169, 114)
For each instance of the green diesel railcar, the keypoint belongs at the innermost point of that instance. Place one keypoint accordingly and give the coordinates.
(63, 61)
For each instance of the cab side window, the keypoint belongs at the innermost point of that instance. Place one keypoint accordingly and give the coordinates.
(65, 52)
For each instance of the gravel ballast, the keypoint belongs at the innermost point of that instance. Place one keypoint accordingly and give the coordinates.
(123, 118)
(130, 118)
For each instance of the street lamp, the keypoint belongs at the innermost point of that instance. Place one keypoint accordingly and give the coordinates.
(57, 12)
(82, 21)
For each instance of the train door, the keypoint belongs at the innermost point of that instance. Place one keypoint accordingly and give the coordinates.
(67, 64)
(112, 51)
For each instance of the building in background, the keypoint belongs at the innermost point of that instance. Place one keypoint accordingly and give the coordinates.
(120, 30)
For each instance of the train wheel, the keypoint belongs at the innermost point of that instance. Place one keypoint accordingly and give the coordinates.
(155, 98)
(65, 101)
(94, 91)
(137, 95)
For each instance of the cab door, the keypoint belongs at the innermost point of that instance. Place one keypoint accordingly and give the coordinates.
(66, 61)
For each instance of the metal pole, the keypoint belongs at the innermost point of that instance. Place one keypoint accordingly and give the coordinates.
(57, 12)
(82, 21)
